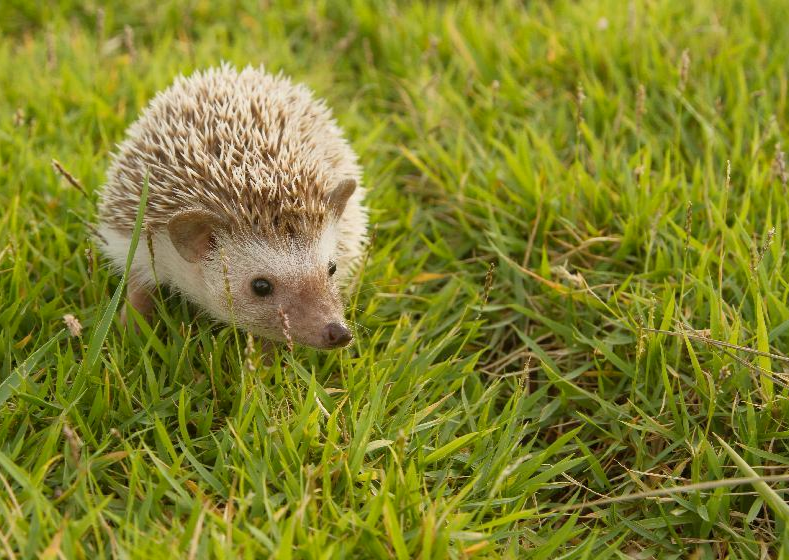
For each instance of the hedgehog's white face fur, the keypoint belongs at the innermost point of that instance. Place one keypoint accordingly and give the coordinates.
(275, 287)
(252, 202)
(298, 289)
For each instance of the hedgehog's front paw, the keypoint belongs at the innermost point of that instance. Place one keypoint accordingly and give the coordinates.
(141, 300)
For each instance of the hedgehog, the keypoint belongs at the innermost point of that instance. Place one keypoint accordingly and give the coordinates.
(255, 209)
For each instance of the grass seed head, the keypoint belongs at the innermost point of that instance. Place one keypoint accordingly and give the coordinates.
(495, 85)
(89, 259)
(19, 117)
(68, 177)
(580, 97)
(74, 443)
(128, 42)
(632, 18)
(52, 59)
(779, 167)
(100, 17)
(151, 253)
(73, 325)
(283, 317)
(768, 241)
(684, 69)
(226, 277)
(249, 353)
(641, 109)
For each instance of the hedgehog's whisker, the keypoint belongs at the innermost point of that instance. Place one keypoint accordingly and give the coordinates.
(358, 326)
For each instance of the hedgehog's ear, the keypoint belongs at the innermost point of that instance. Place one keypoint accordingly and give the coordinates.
(337, 198)
(192, 233)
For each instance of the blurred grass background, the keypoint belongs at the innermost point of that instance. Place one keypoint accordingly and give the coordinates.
(577, 290)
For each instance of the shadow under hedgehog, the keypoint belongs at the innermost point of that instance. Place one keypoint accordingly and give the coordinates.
(254, 207)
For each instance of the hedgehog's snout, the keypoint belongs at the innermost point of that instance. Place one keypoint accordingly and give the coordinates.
(336, 335)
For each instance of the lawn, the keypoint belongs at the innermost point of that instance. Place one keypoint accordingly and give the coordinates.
(572, 323)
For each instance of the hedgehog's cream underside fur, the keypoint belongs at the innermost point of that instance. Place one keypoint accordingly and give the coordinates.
(251, 147)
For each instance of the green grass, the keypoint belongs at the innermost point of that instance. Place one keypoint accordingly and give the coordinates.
(477, 412)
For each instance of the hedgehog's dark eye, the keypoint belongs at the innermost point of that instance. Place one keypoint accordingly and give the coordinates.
(332, 268)
(261, 287)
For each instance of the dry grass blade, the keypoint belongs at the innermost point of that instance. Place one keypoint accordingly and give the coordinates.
(68, 177)
(663, 492)
(719, 343)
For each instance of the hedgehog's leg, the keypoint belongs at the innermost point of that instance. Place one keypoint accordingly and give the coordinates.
(139, 297)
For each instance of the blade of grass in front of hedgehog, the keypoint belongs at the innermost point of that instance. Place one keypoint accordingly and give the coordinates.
(99, 333)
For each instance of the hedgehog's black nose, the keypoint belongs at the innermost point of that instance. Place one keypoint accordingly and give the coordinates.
(336, 334)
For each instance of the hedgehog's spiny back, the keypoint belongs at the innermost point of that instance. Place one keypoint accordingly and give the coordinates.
(252, 147)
